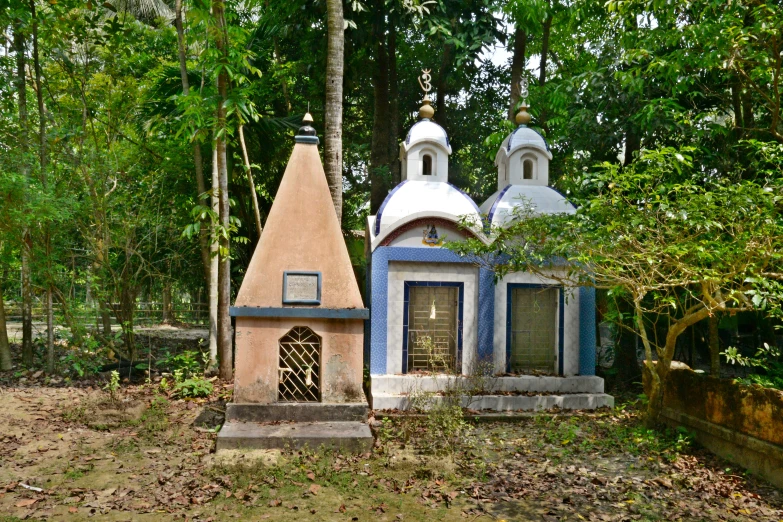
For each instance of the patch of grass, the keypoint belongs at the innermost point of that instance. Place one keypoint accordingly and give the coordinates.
(154, 420)
(76, 414)
(124, 446)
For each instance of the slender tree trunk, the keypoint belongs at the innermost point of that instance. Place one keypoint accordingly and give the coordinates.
(43, 162)
(394, 97)
(625, 360)
(27, 291)
(213, 268)
(442, 84)
(542, 71)
(250, 182)
(333, 119)
(714, 346)
(517, 66)
(379, 146)
(736, 88)
(747, 109)
(224, 268)
(5, 347)
(105, 320)
(197, 160)
(166, 312)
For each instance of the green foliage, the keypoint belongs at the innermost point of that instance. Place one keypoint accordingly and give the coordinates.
(192, 387)
(113, 386)
(187, 363)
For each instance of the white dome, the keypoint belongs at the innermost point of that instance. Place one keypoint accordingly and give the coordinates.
(522, 136)
(427, 130)
(424, 199)
(542, 200)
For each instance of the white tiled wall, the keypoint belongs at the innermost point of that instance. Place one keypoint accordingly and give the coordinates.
(399, 272)
(570, 318)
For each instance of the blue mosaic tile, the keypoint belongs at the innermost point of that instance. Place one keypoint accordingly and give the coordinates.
(586, 331)
(379, 284)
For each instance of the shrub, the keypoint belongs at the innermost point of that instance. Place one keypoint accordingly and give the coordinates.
(192, 388)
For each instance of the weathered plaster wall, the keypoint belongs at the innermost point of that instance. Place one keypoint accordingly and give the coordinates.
(743, 424)
(255, 377)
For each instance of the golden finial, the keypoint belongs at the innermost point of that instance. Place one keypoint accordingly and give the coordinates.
(523, 117)
(426, 110)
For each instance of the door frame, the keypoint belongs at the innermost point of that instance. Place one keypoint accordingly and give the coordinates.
(461, 305)
(559, 327)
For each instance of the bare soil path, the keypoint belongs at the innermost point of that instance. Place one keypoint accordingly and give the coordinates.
(141, 458)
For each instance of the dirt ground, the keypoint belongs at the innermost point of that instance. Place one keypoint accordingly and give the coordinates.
(71, 453)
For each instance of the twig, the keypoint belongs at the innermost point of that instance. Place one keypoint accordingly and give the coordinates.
(31, 488)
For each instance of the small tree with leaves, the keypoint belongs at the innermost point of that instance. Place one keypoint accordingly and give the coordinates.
(683, 244)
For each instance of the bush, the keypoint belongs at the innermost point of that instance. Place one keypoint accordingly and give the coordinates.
(192, 388)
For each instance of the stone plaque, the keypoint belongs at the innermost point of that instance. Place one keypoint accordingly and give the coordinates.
(302, 288)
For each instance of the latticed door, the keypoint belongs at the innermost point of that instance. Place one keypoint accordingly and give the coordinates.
(432, 334)
(534, 321)
(299, 369)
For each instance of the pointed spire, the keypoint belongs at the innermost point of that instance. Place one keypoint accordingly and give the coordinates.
(306, 132)
(426, 111)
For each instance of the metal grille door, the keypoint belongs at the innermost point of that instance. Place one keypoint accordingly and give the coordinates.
(299, 370)
(432, 335)
(533, 329)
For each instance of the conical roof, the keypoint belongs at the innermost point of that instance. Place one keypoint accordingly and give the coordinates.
(301, 234)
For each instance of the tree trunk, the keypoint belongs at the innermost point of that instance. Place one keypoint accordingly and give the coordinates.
(544, 50)
(626, 363)
(442, 84)
(517, 66)
(213, 268)
(394, 97)
(49, 331)
(251, 183)
(197, 160)
(166, 312)
(27, 291)
(5, 347)
(736, 88)
(714, 346)
(42, 155)
(224, 267)
(747, 109)
(333, 118)
(542, 71)
(379, 146)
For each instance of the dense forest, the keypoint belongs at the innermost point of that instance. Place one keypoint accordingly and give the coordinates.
(142, 141)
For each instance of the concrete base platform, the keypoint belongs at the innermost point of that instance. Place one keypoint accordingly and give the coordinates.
(354, 437)
(297, 412)
(573, 401)
(403, 384)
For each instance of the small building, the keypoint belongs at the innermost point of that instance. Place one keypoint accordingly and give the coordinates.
(299, 323)
(434, 313)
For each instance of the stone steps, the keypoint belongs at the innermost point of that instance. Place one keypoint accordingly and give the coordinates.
(348, 436)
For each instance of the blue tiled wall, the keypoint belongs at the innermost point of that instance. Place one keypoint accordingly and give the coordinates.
(379, 283)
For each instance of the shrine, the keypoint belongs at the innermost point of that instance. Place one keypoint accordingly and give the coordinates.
(435, 314)
(299, 323)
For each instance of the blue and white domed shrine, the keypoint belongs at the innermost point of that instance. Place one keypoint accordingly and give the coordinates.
(434, 313)
(523, 180)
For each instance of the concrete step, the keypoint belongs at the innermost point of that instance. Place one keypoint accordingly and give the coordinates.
(572, 401)
(297, 412)
(354, 437)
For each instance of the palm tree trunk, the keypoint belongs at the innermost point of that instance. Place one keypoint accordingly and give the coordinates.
(333, 118)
